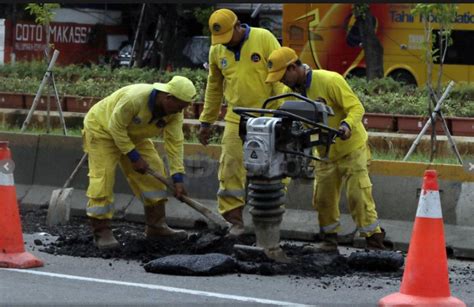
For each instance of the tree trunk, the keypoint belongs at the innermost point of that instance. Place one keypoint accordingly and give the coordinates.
(140, 44)
(155, 50)
(13, 18)
(171, 24)
(372, 48)
(47, 49)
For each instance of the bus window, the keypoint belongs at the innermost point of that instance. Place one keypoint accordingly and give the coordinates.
(460, 52)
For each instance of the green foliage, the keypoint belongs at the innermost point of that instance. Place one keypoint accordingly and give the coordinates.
(360, 9)
(35, 69)
(460, 101)
(202, 16)
(441, 14)
(96, 81)
(383, 95)
(391, 97)
(16, 85)
(463, 91)
(444, 16)
(43, 12)
(377, 86)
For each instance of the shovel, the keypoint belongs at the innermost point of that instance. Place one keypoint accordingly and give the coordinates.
(59, 207)
(210, 215)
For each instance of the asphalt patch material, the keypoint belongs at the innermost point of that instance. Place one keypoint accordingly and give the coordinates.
(196, 265)
(376, 260)
(75, 239)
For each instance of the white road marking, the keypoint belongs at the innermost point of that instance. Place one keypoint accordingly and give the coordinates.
(162, 288)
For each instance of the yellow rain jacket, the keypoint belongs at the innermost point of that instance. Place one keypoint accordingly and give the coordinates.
(347, 108)
(125, 116)
(244, 74)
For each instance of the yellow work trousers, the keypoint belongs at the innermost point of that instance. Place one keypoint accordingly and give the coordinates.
(103, 157)
(350, 172)
(232, 173)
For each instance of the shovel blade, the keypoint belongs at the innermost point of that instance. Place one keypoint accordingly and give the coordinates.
(59, 207)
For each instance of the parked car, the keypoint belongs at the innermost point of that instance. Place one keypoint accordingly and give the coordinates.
(125, 54)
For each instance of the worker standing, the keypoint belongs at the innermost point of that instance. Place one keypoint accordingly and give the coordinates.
(117, 130)
(237, 71)
(348, 157)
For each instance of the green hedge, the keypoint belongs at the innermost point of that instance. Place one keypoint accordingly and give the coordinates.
(97, 81)
(378, 96)
(388, 96)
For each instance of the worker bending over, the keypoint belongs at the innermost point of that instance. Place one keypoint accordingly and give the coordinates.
(118, 130)
(348, 157)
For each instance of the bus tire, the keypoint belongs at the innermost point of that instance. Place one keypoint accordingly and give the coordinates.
(403, 76)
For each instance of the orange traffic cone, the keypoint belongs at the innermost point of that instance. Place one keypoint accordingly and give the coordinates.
(425, 279)
(12, 250)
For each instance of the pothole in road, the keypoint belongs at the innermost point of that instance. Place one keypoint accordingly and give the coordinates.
(206, 246)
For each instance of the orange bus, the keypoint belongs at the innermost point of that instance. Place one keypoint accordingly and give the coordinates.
(325, 37)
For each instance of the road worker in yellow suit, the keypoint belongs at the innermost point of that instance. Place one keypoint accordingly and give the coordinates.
(117, 131)
(348, 157)
(237, 71)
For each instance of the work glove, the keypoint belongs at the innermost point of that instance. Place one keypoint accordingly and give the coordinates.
(140, 166)
(204, 133)
(345, 131)
(179, 190)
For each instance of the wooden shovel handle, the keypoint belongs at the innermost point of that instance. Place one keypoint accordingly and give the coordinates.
(210, 215)
(74, 172)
